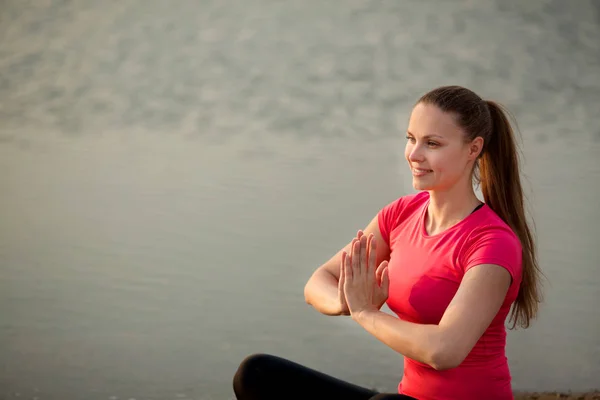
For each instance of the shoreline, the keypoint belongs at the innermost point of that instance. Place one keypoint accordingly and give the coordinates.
(592, 395)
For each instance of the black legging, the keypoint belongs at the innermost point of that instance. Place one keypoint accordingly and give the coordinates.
(267, 377)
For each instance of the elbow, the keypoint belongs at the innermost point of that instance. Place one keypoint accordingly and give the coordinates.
(306, 294)
(443, 359)
(311, 288)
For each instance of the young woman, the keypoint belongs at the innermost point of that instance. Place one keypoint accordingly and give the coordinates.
(449, 266)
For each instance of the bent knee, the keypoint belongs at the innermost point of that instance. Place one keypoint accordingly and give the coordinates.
(250, 371)
(254, 361)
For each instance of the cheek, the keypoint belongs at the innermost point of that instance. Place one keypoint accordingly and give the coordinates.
(444, 162)
(451, 162)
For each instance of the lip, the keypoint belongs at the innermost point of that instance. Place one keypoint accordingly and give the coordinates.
(420, 171)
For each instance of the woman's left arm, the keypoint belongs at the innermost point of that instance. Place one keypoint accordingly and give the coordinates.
(480, 295)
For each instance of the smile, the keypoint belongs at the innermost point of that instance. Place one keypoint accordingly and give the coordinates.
(420, 172)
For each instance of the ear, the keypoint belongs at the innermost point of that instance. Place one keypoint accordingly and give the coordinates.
(475, 148)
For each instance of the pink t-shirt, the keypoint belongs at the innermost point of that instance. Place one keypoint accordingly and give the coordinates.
(425, 273)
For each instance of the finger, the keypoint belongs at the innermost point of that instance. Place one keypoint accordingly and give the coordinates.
(372, 253)
(342, 270)
(370, 267)
(350, 252)
(379, 272)
(356, 260)
(359, 233)
(385, 282)
(342, 282)
(369, 238)
(363, 254)
(348, 275)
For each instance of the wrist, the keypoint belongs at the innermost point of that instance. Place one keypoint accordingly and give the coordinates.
(364, 315)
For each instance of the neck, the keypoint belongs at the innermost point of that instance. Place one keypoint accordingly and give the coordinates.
(447, 208)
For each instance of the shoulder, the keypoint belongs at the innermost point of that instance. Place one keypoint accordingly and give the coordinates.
(492, 241)
(405, 203)
(390, 216)
(487, 225)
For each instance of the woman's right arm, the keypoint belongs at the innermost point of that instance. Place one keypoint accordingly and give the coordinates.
(321, 290)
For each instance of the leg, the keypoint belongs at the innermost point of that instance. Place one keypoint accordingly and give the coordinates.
(391, 396)
(260, 377)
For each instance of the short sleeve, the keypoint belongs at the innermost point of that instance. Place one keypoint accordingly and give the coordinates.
(494, 245)
(389, 217)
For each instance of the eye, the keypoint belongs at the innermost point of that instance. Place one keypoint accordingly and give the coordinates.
(410, 139)
(432, 144)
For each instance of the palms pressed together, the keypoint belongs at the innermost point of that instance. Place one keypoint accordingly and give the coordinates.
(362, 284)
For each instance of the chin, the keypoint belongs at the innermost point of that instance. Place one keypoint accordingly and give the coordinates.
(421, 185)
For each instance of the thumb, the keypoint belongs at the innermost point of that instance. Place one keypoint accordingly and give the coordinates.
(379, 273)
(385, 281)
(342, 271)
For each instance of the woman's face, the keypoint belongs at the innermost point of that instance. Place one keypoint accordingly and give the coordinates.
(436, 151)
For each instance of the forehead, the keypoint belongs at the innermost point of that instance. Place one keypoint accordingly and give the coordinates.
(429, 120)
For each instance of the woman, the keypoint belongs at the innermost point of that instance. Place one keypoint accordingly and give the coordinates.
(449, 266)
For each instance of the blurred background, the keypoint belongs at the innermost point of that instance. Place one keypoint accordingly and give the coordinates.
(171, 173)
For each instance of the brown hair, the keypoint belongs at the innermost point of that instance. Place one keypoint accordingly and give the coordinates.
(498, 168)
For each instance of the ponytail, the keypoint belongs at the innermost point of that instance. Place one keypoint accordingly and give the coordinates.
(502, 191)
(498, 173)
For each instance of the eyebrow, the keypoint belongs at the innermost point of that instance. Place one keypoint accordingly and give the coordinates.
(426, 136)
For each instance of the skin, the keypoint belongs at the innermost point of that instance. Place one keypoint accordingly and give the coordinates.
(354, 281)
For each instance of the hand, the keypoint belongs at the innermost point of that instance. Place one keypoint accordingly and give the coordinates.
(341, 295)
(365, 287)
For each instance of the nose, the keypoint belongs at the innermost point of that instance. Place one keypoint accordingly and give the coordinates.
(415, 153)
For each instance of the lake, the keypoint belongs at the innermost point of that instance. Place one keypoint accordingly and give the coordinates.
(172, 173)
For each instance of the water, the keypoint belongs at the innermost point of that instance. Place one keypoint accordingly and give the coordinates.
(173, 173)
